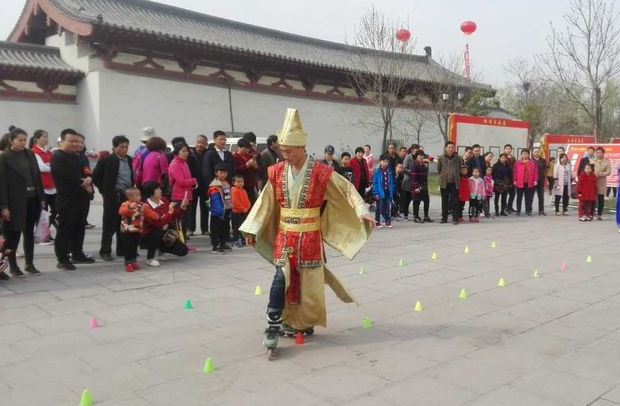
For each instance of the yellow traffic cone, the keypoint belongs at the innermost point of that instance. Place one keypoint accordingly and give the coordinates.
(536, 274)
(362, 270)
(589, 259)
(493, 245)
(418, 306)
(401, 262)
(466, 251)
(463, 294)
(434, 256)
(258, 291)
(501, 283)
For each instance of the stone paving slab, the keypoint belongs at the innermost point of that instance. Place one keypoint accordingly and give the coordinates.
(552, 340)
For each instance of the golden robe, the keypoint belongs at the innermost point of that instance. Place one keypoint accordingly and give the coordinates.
(340, 228)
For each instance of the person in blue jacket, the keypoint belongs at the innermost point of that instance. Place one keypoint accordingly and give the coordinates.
(221, 207)
(383, 188)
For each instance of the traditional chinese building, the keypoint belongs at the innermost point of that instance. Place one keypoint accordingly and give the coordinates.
(108, 67)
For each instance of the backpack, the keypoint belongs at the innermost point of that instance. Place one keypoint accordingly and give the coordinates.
(138, 164)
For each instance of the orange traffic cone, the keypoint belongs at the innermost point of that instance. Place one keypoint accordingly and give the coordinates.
(299, 338)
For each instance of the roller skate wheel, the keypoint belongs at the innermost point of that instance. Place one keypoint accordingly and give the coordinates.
(271, 354)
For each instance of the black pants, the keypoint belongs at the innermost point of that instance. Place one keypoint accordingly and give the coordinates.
(420, 198)
(33, 211)
(540, 192)
(220, 229)
(528, 192)
(131, 241)
(237, 220)
(199, 199)
(71, 228)
(551, 181)
(51, 206)
(474, 207)
(154, 241)
(511, 197)
(612, 189)
(500, 196)
(449, 201)
(405, 201)
(460, 207)
(251, 193)
(112, 224)
(564, 199)
(600, 205)
(276, 293)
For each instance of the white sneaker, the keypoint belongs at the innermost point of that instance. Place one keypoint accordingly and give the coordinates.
(152, 262)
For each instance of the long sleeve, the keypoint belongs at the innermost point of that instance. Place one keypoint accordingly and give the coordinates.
(374, 184)
(98, 173)
(43, 167)
(341, 226)
(217, 204)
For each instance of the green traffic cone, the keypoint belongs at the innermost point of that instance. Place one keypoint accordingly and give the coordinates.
(208, 368)
(188, 304)
(86, 399)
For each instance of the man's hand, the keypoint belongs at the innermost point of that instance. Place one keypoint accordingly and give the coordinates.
(368, 218)
(250, 240)
(6, 214)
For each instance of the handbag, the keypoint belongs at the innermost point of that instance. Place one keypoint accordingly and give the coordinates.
(170, 237)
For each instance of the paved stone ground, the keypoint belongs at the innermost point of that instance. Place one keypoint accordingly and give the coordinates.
(553, 340)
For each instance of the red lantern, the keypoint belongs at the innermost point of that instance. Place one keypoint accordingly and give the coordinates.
(468, 27)
(403, 35)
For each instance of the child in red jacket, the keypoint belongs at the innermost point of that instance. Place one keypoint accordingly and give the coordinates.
(463, 194)
(586, 191)
(133, 213)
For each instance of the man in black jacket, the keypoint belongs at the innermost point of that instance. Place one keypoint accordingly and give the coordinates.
(112, 176)
(217, 155)
(73, 190)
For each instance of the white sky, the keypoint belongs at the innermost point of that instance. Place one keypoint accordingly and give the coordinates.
(506, 29)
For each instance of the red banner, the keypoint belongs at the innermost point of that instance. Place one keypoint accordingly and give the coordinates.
(467, 66)
(612, 152)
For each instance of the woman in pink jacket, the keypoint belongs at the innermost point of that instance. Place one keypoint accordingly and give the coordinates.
(154, 162)
(525, 180)
(181, 182)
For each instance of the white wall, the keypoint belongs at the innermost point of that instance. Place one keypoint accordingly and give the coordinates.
(31, 115)
(128, 103)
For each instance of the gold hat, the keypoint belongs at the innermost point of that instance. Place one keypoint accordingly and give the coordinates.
(292, 133)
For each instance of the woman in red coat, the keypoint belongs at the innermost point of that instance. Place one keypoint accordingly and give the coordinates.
(40, 140)
(586, 191)
(153, 231)
(361, 173)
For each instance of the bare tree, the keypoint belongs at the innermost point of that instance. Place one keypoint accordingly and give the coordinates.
(383, 68)
(585, 55)
(448, 90)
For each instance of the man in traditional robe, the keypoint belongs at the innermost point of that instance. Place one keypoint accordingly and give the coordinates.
(303, 204)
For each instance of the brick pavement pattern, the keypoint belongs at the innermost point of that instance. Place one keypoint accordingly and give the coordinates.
(552, 340)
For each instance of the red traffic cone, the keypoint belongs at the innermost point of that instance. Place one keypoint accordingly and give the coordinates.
(93, 322)
(299, 338)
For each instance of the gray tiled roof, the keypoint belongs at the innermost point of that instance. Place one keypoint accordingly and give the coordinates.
(34, 58)
(174, 23)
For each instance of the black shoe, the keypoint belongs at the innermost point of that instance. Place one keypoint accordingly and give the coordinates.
(32, 270)
(542, 213)
(67, 266)
(17, 273)
(518, 213)
(83, 259)
(443, 221)
(528, 214)
(4, 277)
(89, 226)
(418, 220)
(225, 247)
(456, 223)
(503, 214)
(428, 220)
(107, 257)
